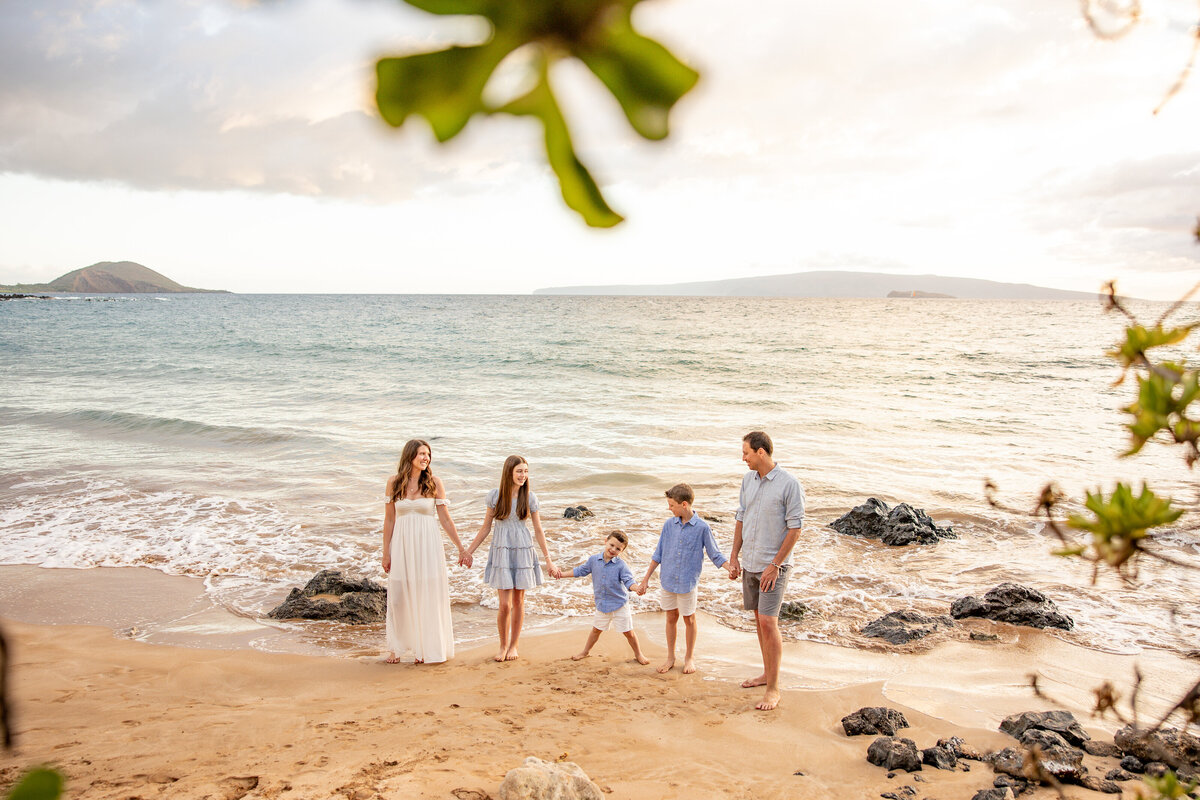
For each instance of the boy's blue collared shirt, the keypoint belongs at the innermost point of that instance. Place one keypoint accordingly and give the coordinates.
(680, 551)
(609, 581)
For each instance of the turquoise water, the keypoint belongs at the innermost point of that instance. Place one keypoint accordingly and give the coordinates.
(247, 438)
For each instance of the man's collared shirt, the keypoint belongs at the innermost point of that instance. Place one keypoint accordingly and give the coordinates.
(680, 551)
(609, 581)
(767, 508)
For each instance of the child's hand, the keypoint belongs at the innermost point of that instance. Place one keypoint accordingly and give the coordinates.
(733, 570)
(640, 588)
(465, 559)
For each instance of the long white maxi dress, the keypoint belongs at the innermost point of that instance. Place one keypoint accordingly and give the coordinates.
(418, 586)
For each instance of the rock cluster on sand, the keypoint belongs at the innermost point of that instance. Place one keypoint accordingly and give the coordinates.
(900, 627)
(1013, 603)
(897, 526)
(332, 596)
(874, 720)
(542, 780)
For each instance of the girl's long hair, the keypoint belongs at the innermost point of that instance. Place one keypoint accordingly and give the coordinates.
(504, 502)
(405, 467)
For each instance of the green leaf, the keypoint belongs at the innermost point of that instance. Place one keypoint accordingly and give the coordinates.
(579, 191)
(1168, 786)
(453, 7)
(644, 76)
(38, 784)
(1139, 339)
(445, 87)
(1119, 523)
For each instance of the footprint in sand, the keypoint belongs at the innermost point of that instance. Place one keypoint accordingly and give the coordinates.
(235, 788)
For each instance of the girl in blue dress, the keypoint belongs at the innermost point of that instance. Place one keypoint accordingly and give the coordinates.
(512, 566)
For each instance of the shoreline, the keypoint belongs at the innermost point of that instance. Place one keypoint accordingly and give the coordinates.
(146, 718)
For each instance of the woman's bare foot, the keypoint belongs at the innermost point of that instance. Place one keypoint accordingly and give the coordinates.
(769, 701)
(501, 655)
(580, 656)
(750, 683)
(392, 658)
(689, 666)
(512, 655)
(666, 667)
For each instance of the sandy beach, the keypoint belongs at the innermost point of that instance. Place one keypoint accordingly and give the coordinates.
(126, 719)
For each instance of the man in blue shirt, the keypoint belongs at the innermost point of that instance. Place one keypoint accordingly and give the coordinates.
(610, 580)
(684, 540)
(770, 513)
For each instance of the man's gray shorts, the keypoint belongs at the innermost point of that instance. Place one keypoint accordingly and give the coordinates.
(765, 603)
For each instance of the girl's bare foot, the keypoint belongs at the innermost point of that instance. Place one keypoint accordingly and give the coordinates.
(511, 655)
(666, 667)
(392, 658)
(769, 701)
(641, 659)
(750, 683)
(501, 655)
(689, 666)
(580, 656)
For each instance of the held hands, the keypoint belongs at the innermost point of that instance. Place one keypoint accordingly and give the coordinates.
(555, 572)
(734, 570)
(465, 559)
(641, 588)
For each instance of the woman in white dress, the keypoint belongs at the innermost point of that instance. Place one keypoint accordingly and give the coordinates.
(418, 587)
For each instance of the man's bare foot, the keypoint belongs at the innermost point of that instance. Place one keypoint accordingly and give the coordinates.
(750, 683)
(689, 666)
(666, 667)
(392, 658)
(769, 701)
(511, 655)
(580, 656)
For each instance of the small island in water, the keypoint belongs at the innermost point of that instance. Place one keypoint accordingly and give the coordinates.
(108, 277)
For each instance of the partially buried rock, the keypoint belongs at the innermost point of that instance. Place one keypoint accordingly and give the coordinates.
(1118, 774)
(1064, 764)
(991, 794)
(899, 526)
(539, 780)
(895, 753)
(1099, 784)
(1177, 748)
(1095, 747)
(1061, 722)
(900, 627)
(874, 720)
(334, 597)
(1015, 604)
(577, 512)
(939, 758)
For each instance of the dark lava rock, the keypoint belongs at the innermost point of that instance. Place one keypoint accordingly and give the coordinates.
(939, 758)
(1133, 764)
(1009, 782)
(577, 512)
(874, 720)
(712, 517)
(1095, 747)
(904, 793)
(899, 526)
(1036, 737)
(1118, 774)
(900, 627)
(1065, 764)
(961, 749)
(991, 794)
(1010, 602)
(332, 596)
(895, 753)
(1099, 784)
(1174, 747)
(1061, 722)
(792, 610)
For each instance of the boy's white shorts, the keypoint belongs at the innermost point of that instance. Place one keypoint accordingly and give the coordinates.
(686, 603)
(621, 619)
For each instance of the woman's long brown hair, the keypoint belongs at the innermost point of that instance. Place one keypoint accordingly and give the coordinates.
(504, 502)
(404, 471)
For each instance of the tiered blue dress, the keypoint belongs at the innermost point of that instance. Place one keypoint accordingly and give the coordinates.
(512, 559)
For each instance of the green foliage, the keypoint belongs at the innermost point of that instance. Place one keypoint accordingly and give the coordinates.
(1119, 524)
(38, 784)
(447, 87)
(1167, 786)
(1138, 340)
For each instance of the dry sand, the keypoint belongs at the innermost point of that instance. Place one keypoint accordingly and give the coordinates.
(130, 719)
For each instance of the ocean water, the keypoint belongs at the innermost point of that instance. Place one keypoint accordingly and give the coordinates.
(247, 438)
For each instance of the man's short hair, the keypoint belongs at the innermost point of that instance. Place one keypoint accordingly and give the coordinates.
(758, 440)
(620, 537)
(681, 493)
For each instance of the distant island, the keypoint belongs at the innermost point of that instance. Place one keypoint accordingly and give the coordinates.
(839, 284)
(109, 277)
(918, 295)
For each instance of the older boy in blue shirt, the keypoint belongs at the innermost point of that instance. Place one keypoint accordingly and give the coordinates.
(684, 540)
(610, 580)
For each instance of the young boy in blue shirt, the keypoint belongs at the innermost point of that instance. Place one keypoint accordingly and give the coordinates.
(610, 580)
(684, 540)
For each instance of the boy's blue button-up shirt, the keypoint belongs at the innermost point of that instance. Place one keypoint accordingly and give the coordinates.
(680, 551)
(609, 581)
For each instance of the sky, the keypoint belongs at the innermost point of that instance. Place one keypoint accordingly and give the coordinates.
(235, 145)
